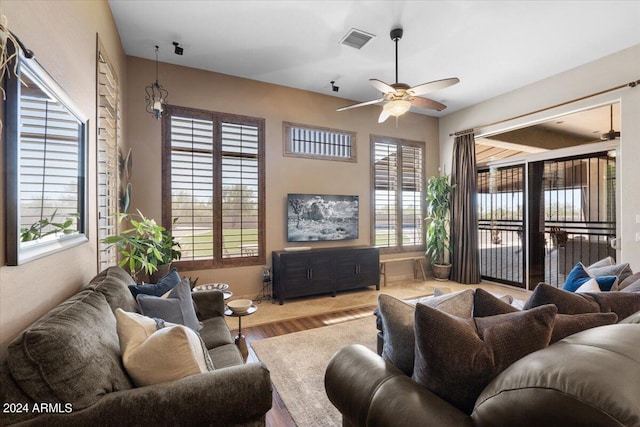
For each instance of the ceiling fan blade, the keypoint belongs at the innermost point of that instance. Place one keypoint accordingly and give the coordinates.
(427, 104)
(425, 88)
(382, 86)
(384, 115)
(361, 104)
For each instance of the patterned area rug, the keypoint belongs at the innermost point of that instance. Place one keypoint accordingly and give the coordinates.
(297, 362)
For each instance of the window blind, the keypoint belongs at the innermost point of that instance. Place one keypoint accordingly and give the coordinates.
(321, 143)
(108, 137)
(398, 194)
(216, 187)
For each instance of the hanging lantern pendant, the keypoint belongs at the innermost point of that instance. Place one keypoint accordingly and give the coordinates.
(156, 96)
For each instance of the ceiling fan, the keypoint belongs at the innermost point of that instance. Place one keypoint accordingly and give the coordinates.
(399, 97)
(612, 134)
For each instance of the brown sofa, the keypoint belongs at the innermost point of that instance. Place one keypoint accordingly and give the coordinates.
(589, 378)
(66, 369)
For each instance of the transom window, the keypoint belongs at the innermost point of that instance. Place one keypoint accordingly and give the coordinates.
(213, 183)
(319, 143)
(398, 194)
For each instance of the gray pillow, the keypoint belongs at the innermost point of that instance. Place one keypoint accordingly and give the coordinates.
(622, 271)
(397, 318)
(634, 278)
(602, 263)
(176, 308)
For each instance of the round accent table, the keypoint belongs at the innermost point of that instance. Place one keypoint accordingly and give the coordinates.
(240, 340)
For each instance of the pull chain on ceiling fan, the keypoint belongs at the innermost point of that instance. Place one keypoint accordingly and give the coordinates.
(612, 134)
(398, 97)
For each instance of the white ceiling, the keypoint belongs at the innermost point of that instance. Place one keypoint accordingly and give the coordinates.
(493, 46)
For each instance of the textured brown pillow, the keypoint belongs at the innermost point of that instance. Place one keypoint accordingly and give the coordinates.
(567, 302)
(485, 304)
(397, 318)
(457, 358)
(623, 304)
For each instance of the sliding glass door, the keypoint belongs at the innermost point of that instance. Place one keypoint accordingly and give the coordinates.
(539, 218)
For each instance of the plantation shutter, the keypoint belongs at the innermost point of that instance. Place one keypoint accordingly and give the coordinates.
(240, 184)
(108, 137)
(386, 190)
(192, 186)
(398, 194)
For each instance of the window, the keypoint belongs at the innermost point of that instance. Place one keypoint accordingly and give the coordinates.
(398, 194)
(213, 183)
(319, 143)
(45, 164)
(108, 135)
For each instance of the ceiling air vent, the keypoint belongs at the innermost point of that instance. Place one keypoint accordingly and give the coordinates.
(356, 38)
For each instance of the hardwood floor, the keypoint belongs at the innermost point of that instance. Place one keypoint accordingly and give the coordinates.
(278, 416)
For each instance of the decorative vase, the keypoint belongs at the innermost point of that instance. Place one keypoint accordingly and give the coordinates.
(441, 271)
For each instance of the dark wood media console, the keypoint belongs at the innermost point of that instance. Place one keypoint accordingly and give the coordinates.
(326, 270)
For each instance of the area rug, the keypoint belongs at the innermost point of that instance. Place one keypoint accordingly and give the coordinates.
(297, 362)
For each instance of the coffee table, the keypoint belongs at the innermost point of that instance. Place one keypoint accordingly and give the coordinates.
(240, 340)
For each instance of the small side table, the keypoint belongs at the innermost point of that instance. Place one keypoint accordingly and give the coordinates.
(240, 339)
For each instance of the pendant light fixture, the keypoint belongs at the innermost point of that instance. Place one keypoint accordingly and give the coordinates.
(612, 134)
(156, 95)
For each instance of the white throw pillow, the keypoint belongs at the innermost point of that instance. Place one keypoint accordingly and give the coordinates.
(589, 286)
(153, 356)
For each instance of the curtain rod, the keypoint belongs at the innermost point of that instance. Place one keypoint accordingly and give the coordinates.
(474, 129)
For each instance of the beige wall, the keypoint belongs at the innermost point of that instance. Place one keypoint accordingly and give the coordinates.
(216, 92)
(619, 68)
(62, 35)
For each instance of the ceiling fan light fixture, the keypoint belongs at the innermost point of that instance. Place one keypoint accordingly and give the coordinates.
(397, 108)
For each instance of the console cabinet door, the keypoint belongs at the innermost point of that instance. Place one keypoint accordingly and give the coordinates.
(357, 269)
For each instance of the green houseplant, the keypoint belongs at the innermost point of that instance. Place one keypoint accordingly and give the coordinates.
(146, 247)
(439, 191)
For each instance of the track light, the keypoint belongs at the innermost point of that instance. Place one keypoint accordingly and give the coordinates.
(178, 50)
(333, 86)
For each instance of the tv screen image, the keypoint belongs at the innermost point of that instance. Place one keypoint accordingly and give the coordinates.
(316, 217)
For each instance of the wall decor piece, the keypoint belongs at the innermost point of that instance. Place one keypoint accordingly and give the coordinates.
(45, 162)
(314, 217)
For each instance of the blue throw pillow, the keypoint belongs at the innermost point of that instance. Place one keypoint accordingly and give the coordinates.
(579, 275)
(163, 286)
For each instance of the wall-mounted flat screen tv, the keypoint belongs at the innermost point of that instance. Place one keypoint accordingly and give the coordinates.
(316, 217)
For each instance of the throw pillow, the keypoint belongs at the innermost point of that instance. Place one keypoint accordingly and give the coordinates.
(579, 276)
(457, 358)
(397, 325)
(623, 304)
(176, 308)
(634, 278)
(397, 318)
(602, 263)
(567, 302)
(163, 286)
(155, 356)
(590, 285)
(485, 305)
(622, 271)
(634, 287)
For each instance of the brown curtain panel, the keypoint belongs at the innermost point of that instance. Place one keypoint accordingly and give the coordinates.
(465, 258)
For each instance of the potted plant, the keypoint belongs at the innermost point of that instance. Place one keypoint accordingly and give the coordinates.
(439, 192)
(146, 246)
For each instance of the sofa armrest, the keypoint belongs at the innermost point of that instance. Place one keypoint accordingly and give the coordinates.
(229, 396)
(208, 303)
(369, 391)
